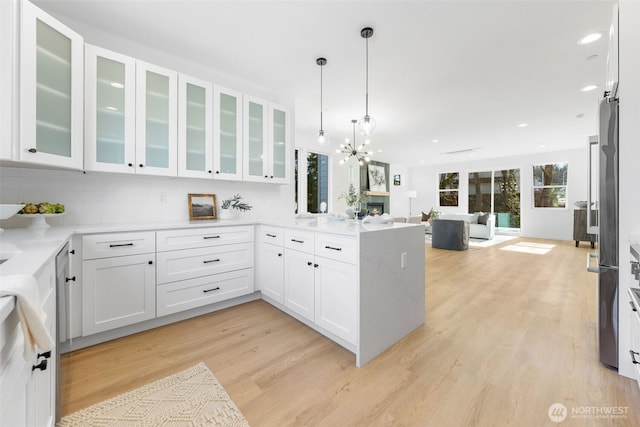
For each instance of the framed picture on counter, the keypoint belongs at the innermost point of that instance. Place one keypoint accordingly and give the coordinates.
(202, 206)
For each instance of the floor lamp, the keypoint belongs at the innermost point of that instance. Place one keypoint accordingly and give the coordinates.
(412, 194)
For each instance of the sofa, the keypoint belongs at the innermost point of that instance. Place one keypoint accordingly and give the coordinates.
(481, 226)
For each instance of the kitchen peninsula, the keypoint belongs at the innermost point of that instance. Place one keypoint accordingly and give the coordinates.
(361, 285)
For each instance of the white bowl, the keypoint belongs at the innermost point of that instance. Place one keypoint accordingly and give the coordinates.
(7, 211)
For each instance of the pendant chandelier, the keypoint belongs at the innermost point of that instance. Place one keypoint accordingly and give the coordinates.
(322, 138)
(367, 124)
(351, 151)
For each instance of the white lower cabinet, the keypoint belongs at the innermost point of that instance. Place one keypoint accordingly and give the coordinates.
(187, 294)
(299, 283)
(321, 288)
(117, 290)
(634, 313)
(336, 297)
(197, 267)
(28, 387)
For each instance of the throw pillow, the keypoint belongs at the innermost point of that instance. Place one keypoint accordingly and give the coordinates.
(425, 217)
(473, 218)
(482, 219)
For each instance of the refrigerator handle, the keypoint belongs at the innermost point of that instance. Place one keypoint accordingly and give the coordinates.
(591, 229)
(590, 269)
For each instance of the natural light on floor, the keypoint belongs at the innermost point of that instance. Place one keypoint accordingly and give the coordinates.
(529, 248)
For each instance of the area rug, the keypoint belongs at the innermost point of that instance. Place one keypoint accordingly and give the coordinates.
(481, 243)
(193, 397)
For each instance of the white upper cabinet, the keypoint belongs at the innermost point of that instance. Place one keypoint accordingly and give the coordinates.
(227, 134)
(8, 55)
(110, 99)
(195, 117)
(255, 136)
(266, 142)
(279, 144)
(156, 120)
(51, 91)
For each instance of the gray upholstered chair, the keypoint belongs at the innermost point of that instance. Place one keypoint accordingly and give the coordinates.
(450, 234)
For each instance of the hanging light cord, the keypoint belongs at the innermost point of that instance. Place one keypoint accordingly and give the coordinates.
(321, 128)
(366, 107)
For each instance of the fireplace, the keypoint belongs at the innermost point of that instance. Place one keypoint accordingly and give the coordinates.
(375, 208)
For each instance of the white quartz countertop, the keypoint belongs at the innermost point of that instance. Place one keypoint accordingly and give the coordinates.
(28, 249)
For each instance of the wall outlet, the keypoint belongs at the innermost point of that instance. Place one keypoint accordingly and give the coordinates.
(403, 260)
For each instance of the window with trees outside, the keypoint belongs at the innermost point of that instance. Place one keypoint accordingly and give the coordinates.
(448, 189)
(550, 185)
(312, 188)
(497, 192)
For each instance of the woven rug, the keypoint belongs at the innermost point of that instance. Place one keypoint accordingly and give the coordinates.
(193, 397)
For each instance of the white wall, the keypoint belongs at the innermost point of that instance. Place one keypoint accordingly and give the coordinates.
(101, 198)
(548, 223)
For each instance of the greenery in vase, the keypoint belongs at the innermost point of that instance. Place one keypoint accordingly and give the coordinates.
(351, 197)
(236, 202)
(433, 214)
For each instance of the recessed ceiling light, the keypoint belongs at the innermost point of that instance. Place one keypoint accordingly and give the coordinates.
(540, 146)
(589, 88)
(590, 38)
(117, 85)
(523, 125)
(435, 140)
(379, 151)
(591, 57)
(110, 108)
(579, 115)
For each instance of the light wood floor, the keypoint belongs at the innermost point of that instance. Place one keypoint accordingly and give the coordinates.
(507, 335)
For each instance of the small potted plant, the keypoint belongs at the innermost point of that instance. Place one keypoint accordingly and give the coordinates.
(233, 203)
(354, 200)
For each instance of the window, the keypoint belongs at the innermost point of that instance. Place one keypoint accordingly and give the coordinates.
(497, 192)
(448, 189)
(312, 188)
(550, 185)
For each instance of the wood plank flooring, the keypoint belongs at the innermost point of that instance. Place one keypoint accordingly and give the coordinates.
(507, 335)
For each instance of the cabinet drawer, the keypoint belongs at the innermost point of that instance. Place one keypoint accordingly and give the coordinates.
(118, 244)
(192, 263)
(188, 294)
(299, 240)
(336, 247)
(203, 237)
(272, 235)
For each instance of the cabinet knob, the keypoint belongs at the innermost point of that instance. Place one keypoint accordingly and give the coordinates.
(279, 254)
(72, 251)
(130, 165)
(266, 176)
(633, 357)
(217, 171)
(42, 365)
(150, 262)
(309, 263)
(315, 265)
(70, 279)
(210, 171)
(46, 355)
(271, 177)
(633, 307)
(32, 150)
(141, 165)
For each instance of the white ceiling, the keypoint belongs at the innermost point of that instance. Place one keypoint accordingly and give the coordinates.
(463, 72)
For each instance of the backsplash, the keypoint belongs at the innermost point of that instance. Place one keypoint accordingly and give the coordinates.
(102, 198)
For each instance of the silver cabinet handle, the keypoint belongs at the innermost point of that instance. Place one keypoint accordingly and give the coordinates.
(331, 247)
(271, 235)
(297, 241)
(211, 237)
(120, 245)
(211, 260)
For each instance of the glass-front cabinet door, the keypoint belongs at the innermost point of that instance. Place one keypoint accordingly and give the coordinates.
(51, 90)
(256, 138)
(156, 120)
(279, 144)
(227, 134)
(110, 135)
(195, 117)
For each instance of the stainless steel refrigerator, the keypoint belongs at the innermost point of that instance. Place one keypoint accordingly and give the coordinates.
(604, 175)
